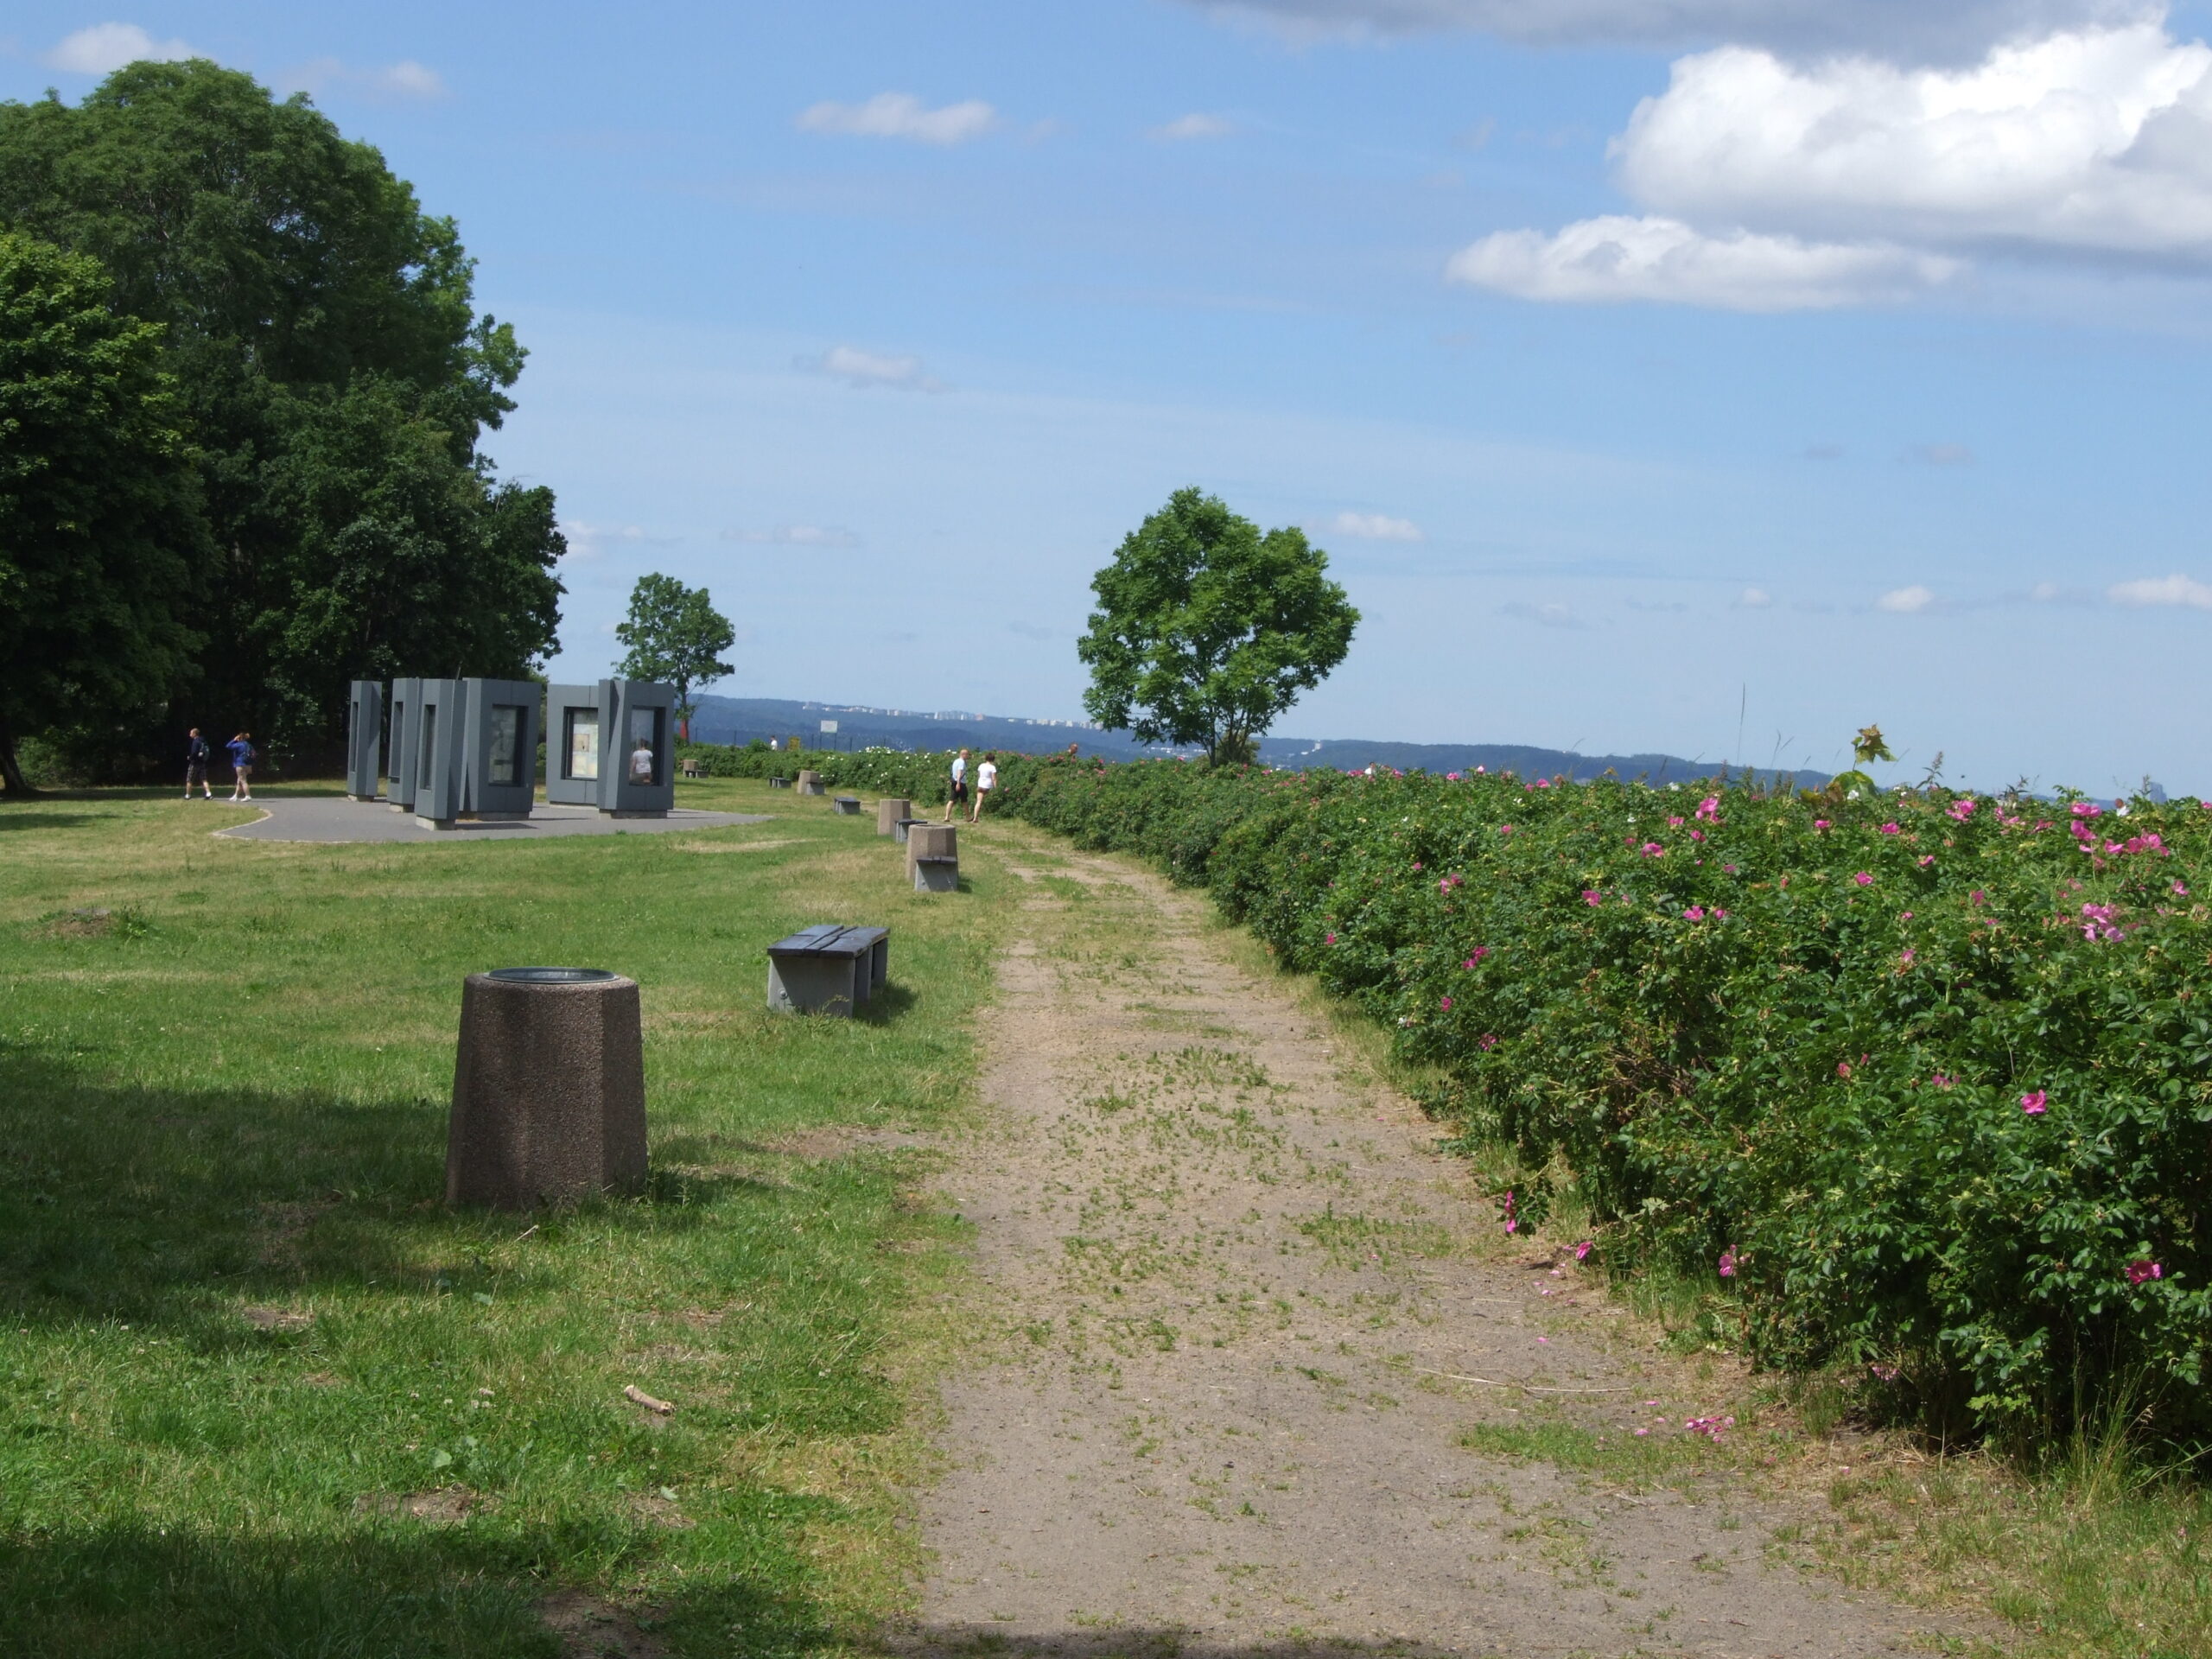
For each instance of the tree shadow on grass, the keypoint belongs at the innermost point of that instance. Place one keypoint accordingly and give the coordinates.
(175, 1207)
(401, 1588)
(39, 817)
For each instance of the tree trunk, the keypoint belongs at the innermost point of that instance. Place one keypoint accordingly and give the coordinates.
(13, 784)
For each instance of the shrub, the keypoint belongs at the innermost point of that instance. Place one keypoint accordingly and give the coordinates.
(1926, 1077)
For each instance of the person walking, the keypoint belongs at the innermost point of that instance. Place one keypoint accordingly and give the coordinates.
(197, 755)
(958, 797)
(987, 779)
(242, 760)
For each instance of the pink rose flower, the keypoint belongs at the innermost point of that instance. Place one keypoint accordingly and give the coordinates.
(1863, 879)
(2035, 1102)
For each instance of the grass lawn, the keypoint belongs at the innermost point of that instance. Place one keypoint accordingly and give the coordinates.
(260, 1393)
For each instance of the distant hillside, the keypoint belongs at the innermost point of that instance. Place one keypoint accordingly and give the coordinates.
(740, 720)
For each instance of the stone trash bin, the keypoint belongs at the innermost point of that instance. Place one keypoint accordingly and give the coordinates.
(888, 811)
(810, 783)
(549, 1089)
(933, 857)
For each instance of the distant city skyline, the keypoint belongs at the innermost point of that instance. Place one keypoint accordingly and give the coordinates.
(1650, 372)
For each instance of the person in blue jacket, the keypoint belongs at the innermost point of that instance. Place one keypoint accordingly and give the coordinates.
(241, 758)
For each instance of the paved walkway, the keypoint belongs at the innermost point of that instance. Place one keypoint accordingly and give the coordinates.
(335, 817)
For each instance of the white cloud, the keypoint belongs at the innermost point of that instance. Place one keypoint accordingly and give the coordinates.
(796, 536)
(1756, 598)
(1918, 29)
(866, 369)
(1617, 257)
(588, 542)
(2043, 591)
(2161, 590)
(1941, 455)
(2092, 139)
(1550, 614)
(902, 115)
(105, 47)
(406, 78)
(1906, 601)
(1375, 527)
(1194, 126)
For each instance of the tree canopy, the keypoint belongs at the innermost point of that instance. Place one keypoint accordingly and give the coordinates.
(675, 635)
(1207, 629)
(333, 381)
(98, 526)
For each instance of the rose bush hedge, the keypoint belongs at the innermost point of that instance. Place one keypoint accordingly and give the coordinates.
(1927, 1076)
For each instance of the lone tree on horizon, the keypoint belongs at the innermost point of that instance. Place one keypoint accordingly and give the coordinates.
(675, 635)
(1207, 629)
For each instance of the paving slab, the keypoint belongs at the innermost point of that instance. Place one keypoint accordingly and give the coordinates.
(335, 819)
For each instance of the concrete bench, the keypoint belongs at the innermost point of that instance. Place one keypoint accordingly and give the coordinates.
(888, 811)
(933, 857)
(827, 969)
(690, 767)
(849, 806)
(901, 827)
(780, 782)
(810, 783)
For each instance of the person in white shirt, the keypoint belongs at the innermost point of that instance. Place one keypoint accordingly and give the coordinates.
(641, 763)
(953, 801)
(987, 779)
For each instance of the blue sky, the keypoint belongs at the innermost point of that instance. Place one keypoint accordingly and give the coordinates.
(1652, 370)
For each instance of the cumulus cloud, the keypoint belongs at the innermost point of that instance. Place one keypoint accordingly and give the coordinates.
(105, 47)
(796, 536)
(1375, 527)
(2161, 590)
(869, 369)
(1944, 30)
(2096, 138)
(1194, 126)
(1619, 258)
(406, 78)
(902, 115)
(1906, 601)
(1755, 599)
(1770, 182)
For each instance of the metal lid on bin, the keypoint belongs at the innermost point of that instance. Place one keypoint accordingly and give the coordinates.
(553, 975)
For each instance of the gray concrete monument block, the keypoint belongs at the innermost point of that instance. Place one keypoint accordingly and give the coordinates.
(406, 710)
(578, 720)
(612, 746)
(549, 1089)
(643, 784)
(364, 738)
(436, 759)
(499, 748)
(888, 811)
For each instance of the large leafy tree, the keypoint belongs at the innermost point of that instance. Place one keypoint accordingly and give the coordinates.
(99, 529)
(335, 381)
(676, 636)
(1207, 629)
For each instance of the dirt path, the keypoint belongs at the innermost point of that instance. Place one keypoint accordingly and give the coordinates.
(1218, 1278)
